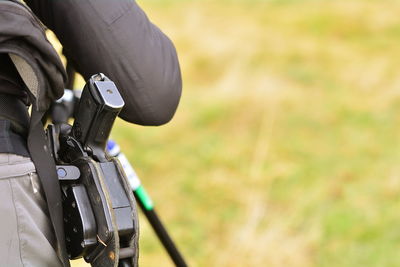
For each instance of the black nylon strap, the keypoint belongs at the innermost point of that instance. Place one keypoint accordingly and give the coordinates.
(14, 124)
(46, 169)
(13, 109)
(11, 142)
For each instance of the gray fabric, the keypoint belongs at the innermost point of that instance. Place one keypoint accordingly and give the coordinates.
(115, 37)
(27, 73)
(26, 232)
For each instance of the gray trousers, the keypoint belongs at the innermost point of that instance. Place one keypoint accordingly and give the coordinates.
(26, 234)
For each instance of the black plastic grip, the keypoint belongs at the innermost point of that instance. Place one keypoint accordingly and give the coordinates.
(99, 106)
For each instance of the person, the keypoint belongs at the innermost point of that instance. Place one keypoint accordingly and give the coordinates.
(114, 37)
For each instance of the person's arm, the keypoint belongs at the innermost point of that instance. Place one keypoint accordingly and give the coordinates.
(116, 37)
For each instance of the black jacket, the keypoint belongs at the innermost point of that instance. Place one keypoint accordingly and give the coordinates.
(115, 37)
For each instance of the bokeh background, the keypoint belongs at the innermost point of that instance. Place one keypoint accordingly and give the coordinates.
(285, 148)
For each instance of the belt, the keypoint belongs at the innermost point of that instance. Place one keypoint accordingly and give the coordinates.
(14, 125)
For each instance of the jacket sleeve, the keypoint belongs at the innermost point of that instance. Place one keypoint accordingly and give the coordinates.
(115, 37)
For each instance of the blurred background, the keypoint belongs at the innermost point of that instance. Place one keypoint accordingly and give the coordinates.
(285, 148)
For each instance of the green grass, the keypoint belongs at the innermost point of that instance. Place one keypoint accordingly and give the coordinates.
(284, 150)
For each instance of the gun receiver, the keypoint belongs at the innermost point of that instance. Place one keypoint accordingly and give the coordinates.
(99, 106)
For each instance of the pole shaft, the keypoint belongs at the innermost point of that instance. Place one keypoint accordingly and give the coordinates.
(162, 234)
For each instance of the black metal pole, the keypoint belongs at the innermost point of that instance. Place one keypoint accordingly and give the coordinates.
(161, 232)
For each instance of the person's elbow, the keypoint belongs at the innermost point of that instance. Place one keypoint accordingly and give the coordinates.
(165, 88)
(165, 102)
(158, 101)
(157, 83)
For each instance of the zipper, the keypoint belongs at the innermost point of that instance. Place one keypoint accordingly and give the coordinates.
(35, 189)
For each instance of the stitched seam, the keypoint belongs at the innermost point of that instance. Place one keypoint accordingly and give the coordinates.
(110, 18)
(16, 215)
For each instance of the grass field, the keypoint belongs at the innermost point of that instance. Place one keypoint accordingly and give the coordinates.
(285, 148)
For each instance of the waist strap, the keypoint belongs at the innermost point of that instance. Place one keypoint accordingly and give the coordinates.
(14, 123)
(14, 110)
(11, 142)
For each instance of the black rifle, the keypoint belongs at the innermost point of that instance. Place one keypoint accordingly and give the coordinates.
(99, 213)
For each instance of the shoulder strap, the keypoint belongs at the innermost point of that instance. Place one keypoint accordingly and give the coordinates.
(46, 169)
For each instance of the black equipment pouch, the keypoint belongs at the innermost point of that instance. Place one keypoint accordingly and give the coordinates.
(100, 215)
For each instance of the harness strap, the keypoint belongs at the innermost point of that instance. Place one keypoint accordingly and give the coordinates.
(11, 142)
(14, 123)
(46, 169)
(12, 108)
